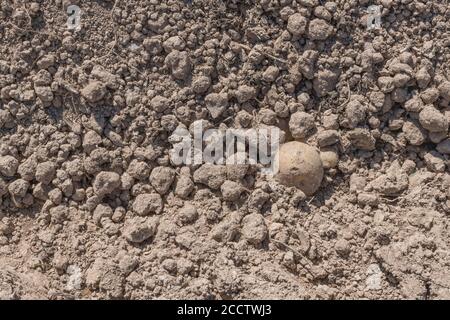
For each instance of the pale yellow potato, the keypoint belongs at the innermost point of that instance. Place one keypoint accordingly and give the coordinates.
(300, 166)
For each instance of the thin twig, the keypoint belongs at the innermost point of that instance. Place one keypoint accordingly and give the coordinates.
(297, 253)
(263, 52)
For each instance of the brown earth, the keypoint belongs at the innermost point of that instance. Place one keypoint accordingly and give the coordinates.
(91, 206)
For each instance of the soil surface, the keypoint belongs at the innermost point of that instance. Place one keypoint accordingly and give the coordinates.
(93, 207)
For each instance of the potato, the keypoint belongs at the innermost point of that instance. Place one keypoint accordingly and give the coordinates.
(300, 166)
